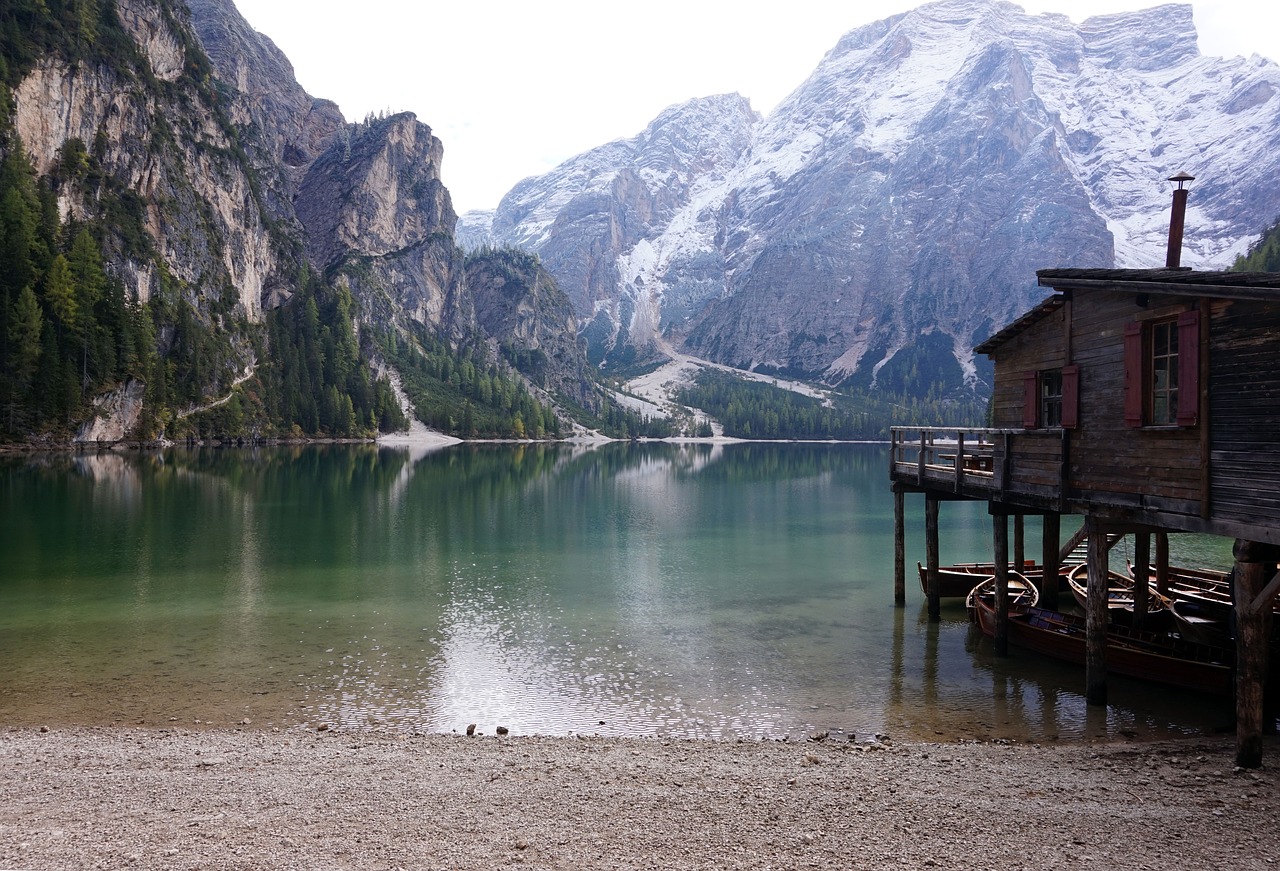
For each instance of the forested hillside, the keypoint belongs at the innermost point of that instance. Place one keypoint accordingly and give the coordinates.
(153, 272)
(1264, 254)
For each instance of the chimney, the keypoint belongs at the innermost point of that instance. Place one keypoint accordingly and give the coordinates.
(1176, 218)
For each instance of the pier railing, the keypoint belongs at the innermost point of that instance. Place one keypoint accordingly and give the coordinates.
(980, 462)
(945, 455)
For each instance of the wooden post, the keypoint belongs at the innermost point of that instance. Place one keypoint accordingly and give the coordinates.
(1162, 563)
(1049, 544)
(931, 556)
(1255, 563)
(1141, 571)
(1095, 655)
(899, 546)
(1000, 530)
(1019, 544)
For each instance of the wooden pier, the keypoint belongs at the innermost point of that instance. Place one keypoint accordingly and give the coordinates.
(1143, 403)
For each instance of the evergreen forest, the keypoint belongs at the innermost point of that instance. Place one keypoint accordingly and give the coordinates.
(1264, 254)
(753, 409)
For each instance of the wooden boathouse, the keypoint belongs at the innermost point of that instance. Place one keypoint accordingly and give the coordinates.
(1147, 402)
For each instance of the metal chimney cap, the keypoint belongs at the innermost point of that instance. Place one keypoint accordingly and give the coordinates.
(1182, 178)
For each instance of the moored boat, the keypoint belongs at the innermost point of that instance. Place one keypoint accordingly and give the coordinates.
(1147, 656)
(955, 581)
(1120, 595)
(1021, 593)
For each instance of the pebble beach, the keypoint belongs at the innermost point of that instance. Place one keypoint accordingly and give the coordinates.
(141, 798)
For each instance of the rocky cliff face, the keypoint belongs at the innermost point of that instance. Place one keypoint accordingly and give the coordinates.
(891, 212)
(290, 128)
(517, 299)
(372, 210)
(593, 219)
(167, 147)
(220, 180)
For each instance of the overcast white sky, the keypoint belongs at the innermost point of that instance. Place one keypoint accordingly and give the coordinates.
(514, 87)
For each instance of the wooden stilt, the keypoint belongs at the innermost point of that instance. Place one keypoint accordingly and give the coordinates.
(931, 556)
(1255, 563)
(1049, 543)
(899, 547)
(1019, 543)
(1162, 563)
(1141, 571)
(1095, 665)
(1000, 535)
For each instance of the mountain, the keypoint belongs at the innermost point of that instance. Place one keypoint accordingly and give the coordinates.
(193, 246)
(891, 212)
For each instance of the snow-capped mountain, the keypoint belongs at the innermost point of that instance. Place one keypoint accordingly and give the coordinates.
(892, 211)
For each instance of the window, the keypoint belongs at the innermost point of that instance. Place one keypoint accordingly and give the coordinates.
(1051, 398)
(1162, 371)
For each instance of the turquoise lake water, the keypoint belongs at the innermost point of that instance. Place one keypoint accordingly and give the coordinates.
(715, 591)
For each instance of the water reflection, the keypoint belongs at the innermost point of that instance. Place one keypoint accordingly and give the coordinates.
(691, 590)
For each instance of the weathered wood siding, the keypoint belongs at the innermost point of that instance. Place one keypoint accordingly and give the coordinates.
(1244, 412)
(1041, 346)
(1110, 463)
(1035, 459)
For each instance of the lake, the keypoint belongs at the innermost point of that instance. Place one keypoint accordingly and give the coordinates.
(716, 591)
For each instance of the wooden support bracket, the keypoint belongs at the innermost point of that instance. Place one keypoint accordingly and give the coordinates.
(1264, 598)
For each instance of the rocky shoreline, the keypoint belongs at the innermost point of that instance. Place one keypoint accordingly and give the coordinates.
(173, 799)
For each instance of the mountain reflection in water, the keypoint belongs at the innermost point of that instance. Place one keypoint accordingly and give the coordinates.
(717, 591)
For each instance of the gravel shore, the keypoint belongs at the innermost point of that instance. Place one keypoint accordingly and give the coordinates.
(245, 799)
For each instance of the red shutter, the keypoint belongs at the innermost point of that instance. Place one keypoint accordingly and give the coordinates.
(1030, 400)
(1070, 397)
(1133, 397)
(1188, 368)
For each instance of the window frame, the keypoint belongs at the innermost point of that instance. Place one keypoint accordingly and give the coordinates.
(1067, 401)
(1181, 388)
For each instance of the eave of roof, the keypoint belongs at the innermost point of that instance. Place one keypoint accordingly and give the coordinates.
(1180, 282)
(1043, 309)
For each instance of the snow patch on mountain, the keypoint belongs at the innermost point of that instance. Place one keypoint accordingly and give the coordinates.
(896, 205)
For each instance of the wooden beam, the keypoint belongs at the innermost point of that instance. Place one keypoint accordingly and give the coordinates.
(1019, 542)
(1264, 599)
(1050, 560)
(1162, 563)
(1141, 573)
(899, 547)
(1253, 633)
(1073, 542)
(1206, 442)
(931, 557)
(1095, 664)
(1000, 530)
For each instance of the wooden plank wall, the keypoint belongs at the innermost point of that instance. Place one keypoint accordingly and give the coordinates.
(1040, 346)
(1110, 462)
(1244, 403)
(1153, 467)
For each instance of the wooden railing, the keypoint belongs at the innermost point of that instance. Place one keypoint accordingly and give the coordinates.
(980, 461)
(959, 456)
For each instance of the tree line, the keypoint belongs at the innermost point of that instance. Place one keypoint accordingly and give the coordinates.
(752, 409)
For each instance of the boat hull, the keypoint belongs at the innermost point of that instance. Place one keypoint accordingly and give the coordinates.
(956, 581)
(1142, 655)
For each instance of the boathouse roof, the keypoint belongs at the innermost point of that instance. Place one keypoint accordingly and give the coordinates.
(1176, 282)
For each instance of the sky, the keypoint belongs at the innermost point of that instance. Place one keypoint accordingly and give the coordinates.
(515, 87)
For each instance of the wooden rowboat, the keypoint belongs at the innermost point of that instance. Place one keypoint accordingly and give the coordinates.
(1203, 625)
(1021, 593)
(1147, 656)
(955, 581)
(1120, 593)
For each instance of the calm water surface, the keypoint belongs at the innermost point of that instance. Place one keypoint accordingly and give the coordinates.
(710, 591)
